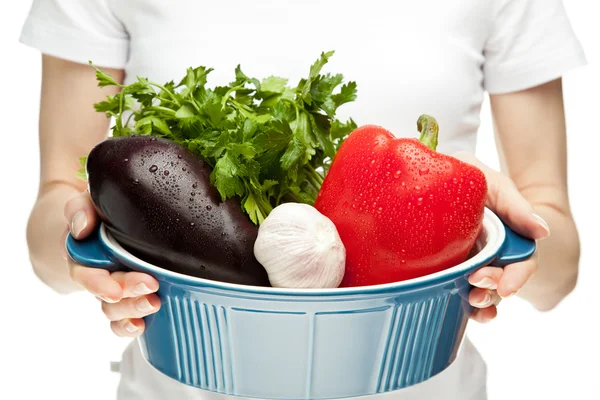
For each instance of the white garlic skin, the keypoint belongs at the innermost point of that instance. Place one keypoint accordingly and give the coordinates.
(300, 248)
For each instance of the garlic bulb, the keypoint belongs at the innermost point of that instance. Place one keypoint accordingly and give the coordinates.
(300, 248)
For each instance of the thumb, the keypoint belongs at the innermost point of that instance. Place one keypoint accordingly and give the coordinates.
(505, 200)
(81, 215)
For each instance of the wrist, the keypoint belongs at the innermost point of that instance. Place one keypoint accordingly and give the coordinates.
(57, 187)
(558, 258)
(45, 230)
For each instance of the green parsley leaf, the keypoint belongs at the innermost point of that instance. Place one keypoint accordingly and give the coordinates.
(315, 69)
(346, 95)
(151, 122)
(103, 78)
(185, 111)
(82, 173)
(226, 176)
(272, 85)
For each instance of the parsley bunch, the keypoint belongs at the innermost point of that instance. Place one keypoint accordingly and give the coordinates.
(266, 141)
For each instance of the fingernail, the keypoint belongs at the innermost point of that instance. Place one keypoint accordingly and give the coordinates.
(486, 283)
(542, 223)
(508, 295)
(106, 299)
(486, 301)
(78, 223)
(143, 305)
(141, 288)
(129, 327)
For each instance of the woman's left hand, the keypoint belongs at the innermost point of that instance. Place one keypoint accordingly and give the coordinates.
(494, 283)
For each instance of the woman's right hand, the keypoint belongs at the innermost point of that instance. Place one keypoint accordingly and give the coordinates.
(126, 297)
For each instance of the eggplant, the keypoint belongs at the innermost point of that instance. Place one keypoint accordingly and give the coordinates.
(156, 199)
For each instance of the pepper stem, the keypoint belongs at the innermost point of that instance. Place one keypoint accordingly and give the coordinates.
(429, 129)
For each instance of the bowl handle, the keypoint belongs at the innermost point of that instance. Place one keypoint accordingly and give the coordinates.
(514, 249)
(91, 252)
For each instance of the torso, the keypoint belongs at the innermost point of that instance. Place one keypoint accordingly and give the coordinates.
(405, 59)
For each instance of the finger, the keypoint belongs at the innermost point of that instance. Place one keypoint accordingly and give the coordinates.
(507, 202)
(134, 307)
(482, 298)
(484, 315)
(97, 281)
(135, 284)
(128, 327)
(63, 248)
(81, 215)
(486, 277)
(516, 275)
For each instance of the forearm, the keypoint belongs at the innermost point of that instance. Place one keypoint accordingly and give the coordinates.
(531, 137)
(558, 254)
(46, 228)
(69, 127)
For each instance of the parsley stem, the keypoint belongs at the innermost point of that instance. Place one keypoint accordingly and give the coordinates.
(160, 108)
(171, 94)
(119, 120)
(129, 118)
(228, 93)
(166, 101)
(264, 209)
(312, 172)
(292, 197)
(292, 102)
(243, 106)
(313, 182)
(196, 106)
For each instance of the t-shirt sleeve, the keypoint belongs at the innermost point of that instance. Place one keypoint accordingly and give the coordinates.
(531, 42)
(78, 31)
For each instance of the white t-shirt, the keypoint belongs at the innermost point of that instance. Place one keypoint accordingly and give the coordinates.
(408, 58)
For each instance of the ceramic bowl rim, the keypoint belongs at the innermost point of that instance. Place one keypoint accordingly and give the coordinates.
(492, 226)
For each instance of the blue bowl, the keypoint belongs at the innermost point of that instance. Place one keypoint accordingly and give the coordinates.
(275, 343)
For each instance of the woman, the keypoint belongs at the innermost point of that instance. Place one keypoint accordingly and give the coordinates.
(435, 56)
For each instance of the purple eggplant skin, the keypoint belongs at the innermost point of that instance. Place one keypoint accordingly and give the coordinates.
(156, 199)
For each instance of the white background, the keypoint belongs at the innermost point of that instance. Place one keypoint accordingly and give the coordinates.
(62, 345)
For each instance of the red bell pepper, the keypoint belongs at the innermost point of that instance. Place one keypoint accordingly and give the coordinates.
(402, 209)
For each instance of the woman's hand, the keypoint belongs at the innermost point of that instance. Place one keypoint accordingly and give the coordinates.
(126, 297)
(494, 283)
